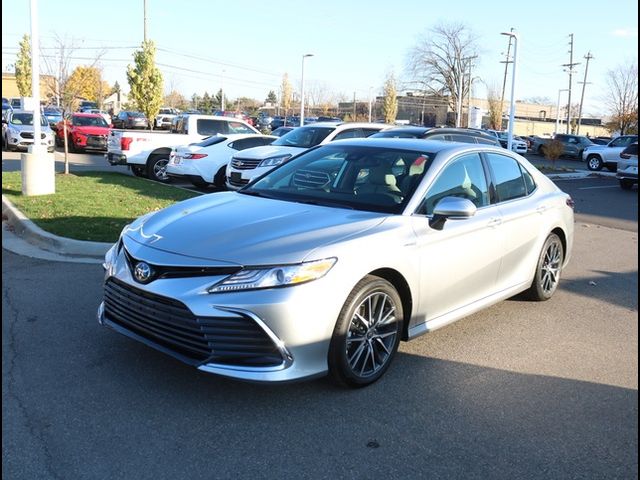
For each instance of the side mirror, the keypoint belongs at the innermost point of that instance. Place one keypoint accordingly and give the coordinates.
(451, 208)
(111, 125)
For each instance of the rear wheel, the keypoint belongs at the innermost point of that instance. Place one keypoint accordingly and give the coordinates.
(548, 270)
(199, 182)
(367, 333)
(219, 180)
(138, 170)
(594, 163)
(626, 184)
(157, 169)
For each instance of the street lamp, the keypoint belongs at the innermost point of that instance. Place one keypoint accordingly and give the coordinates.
(302, 89)
(513, 87)
(558, 109)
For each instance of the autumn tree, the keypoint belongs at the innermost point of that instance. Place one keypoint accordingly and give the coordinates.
(390, 100)
(286, 97)
(622, 98)
(145, 81)
(23, 67)
(440, 61)
(87, 82)
(175, 99)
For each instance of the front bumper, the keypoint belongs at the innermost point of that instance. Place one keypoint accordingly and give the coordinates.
(296, 322)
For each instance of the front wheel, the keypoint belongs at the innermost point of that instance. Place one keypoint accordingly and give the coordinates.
(545, 282)
(367, 333)
(219, 180)
(157, 169)
(594, 163)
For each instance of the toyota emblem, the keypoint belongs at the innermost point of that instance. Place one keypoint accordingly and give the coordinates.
(142, 272)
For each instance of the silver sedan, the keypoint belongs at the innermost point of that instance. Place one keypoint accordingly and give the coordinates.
(325, 263)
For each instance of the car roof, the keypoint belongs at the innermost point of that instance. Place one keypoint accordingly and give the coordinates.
(86, 114)
(416, 144)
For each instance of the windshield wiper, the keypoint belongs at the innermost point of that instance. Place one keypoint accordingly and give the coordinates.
(325, 203)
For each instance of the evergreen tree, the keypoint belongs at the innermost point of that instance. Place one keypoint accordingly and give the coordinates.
(207, 103)
(271, 98)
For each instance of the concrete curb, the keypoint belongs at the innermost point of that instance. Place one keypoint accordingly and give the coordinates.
(578, 175)
(35, 235)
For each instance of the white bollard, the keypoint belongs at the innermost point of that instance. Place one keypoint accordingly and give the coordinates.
(38, 172)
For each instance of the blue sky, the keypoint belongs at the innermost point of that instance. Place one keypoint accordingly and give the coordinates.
(247, 46)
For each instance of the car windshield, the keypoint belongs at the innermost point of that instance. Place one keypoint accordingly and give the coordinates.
(89, 121)
(304, 137)
(26, 119)
(360, 178)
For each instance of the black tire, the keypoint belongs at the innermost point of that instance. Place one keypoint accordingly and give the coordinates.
(199, 182)
(360, 353)
(594, 163)
(540, 150)
(58, 142)
(220, 178)
(626, 184)
(138, 170)
(612, 168)
(157, 168)
(548, 270)
(70, 145)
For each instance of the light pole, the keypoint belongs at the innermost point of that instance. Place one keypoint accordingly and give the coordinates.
(370, 88)
(558, 109)
(513, 87)
(302, 89)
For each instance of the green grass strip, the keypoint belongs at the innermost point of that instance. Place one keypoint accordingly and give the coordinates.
(92, 206)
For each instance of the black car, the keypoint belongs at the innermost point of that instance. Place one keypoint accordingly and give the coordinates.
(127, 119)
(464, 135)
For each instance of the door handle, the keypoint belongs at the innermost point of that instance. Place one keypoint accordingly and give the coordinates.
(541, 209)
(494, 222)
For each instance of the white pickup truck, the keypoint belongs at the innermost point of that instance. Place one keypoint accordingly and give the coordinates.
(147, 153)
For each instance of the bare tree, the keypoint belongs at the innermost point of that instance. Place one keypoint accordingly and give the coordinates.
(439, 62)
(495, 108)
(622, 98)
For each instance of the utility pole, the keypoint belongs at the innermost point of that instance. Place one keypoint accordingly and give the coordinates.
(145, 20)
(469, 59)
(506, 62)
(588, 57)
(570, 66)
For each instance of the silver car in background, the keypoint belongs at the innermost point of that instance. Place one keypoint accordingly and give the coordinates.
(18, 131)
(326, 262)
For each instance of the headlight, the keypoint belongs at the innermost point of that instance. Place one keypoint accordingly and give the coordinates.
(269, 277)
(274, 161)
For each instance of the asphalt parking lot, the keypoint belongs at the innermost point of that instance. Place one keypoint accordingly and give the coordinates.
(520, 390)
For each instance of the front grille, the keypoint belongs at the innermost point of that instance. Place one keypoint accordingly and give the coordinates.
(166, 322)
(244, 163)
(29, 135)
(97, 141)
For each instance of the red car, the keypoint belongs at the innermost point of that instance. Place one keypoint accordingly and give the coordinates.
(84, 131)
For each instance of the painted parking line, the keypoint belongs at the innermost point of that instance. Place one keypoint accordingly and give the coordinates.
(591, 188)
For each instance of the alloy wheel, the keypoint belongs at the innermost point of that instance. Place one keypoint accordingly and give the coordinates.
(550, 269)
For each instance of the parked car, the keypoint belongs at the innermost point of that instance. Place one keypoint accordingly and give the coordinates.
(325, 263)
(464, 135)
(627, 170)
(253, 162)
(165, 117)
(600, 140)
(518, 144)
(6, 109)
(18, 131)
(102, 113)
(53, 116)
(126, 119)
(87, 104)
(572, 145)
(85, 131)
(205, 163)
(278, 132)
(598, 156)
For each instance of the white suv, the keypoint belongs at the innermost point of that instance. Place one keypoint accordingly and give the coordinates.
(253, 162)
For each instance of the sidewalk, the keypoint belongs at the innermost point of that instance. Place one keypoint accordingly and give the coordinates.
(20, 235)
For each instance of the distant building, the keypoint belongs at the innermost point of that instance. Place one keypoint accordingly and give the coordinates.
(10, 87)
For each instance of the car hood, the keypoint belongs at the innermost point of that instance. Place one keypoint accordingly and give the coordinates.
(268, 151)
(594, 147)
(88, 130)
(231, 227)
(29, 128)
